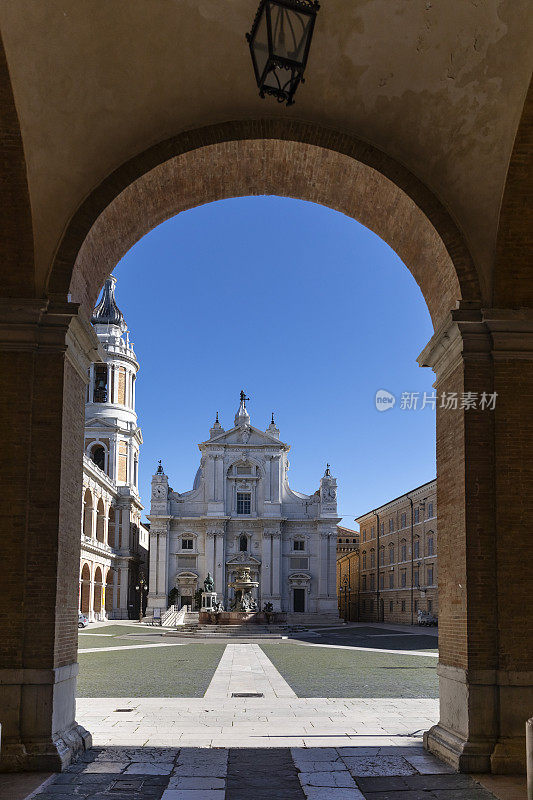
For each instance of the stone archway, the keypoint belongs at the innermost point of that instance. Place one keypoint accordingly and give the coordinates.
(267, 157)
(305, 161)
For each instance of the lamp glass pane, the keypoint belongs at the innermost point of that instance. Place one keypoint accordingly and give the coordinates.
(290, 32)
(260, 45)
(278, 78)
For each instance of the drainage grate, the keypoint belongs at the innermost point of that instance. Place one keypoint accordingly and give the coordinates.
(122, 710)
(247, 694)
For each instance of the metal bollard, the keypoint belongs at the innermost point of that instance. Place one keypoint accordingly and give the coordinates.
(529, 758)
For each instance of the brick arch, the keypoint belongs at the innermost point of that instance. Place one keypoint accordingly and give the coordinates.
(278, 157)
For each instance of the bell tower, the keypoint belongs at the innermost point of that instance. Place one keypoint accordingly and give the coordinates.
(112, 436)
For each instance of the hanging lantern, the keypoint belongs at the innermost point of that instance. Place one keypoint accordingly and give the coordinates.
(279, 44)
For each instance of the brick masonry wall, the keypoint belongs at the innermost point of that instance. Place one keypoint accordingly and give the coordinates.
(514, 511)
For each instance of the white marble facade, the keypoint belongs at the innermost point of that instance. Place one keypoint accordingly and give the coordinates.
(241, 512)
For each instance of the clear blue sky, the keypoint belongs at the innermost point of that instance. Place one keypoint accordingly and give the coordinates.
(307, 311)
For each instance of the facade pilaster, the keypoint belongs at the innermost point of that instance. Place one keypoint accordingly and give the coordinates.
(276, 570)
(220, 565)
(158, 586)
(210, 553)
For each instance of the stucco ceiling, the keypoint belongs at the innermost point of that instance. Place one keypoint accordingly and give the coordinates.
(437, 84)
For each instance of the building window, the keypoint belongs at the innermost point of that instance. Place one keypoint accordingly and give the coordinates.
(381, 555)
(372, 581)
(391, 554)
(364, 605)
(391, 580)
(364, 583)
(243, 543)
(187, 544)
(98, 456)
(403, 577)
(417, 515)
(416, 606)
(364, 560)
(382, 528)
(298, 544)
(430, 606)
(430, 510)
(391, 525)
(382, 581)
(403, 605)
(244, 502)
(416, 577)
(364, 536)
(404, 520)
(372, 532)
(430, 576)
(100, 383)
(372, 559)
(403, 550)
(391, 606)
(431, 546)
(416, 548)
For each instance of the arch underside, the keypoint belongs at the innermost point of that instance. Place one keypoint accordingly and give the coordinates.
(328, 169)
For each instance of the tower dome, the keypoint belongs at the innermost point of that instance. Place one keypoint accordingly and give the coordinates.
(107, 312)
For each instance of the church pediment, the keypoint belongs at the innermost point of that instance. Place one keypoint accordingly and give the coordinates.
(246, 435)
(243, 559)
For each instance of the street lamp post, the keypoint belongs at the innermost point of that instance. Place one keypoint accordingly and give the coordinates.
(141, 587)
(346, 589)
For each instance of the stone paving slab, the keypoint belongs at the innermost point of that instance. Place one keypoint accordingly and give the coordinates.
(276, 773)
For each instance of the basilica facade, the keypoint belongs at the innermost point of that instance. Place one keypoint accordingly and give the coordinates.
(242, 513)
(114, 543)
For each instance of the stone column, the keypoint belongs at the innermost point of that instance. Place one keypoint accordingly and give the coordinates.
(91, 596)
(266, 568)
(484, 480)
(323, 561)
(116, 600)
(125, 528)
(124, 590)
(275, 480)
(159, 550)
(276, 570)
(45, 350)
(220, 566)
(210, 554)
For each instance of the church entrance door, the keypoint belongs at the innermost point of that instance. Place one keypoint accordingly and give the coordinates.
(299, 600)
(186, 600)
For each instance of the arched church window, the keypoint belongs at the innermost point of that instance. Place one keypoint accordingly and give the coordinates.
(98, 456)
(243, 543)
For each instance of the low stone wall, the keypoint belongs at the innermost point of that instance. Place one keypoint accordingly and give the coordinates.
(240, 618)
